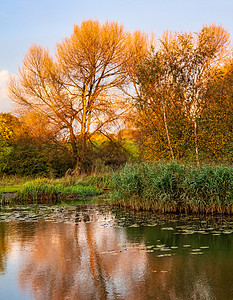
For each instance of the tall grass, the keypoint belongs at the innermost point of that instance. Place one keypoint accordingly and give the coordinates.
(175, 188)
(45, 191)
(11, 183)
(38, 191)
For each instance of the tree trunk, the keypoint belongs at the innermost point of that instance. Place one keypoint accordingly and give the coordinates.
(196, 142)
(83, 139)
(74, 146)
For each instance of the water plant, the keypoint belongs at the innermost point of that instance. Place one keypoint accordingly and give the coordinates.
(173, 187)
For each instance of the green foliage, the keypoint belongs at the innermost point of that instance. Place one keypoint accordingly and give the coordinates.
(80, 191)
(39, 153)
(174, 187)
(44, 190)
(211, 187)
(9, 127)
(102, 181)
(39, 191)
(27, 157)
(105, 156)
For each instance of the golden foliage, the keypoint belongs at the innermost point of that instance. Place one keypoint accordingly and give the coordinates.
(80, 90)
(174, 81)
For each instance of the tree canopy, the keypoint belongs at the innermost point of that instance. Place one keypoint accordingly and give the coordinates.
(80, 89)
(175, 94)
(174, 81)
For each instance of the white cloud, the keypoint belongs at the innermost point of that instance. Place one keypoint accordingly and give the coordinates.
(5, 102)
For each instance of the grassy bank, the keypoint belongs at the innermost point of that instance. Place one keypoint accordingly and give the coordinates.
(46, 191)
(163, 187)
(175, 188)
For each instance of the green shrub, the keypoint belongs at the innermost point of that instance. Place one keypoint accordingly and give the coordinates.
(27, 157)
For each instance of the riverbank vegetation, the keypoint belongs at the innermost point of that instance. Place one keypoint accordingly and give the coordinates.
(108, 98)
(175, 188)
(48, 191)
(160, 187)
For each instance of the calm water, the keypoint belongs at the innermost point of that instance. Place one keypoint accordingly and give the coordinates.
(96, 253)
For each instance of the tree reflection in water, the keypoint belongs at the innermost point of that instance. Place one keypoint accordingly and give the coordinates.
(4, 246)
(95, 260)
(67, 262)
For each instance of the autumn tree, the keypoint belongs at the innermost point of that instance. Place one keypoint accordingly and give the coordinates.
(174, 79)
(139, 46)
(156, 85)
(192, 57)
(79, 88)
(38, 126)
(216, 122)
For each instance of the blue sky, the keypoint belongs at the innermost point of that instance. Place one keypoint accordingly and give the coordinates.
(46, 22)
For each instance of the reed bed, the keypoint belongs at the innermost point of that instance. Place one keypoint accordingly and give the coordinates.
(175, 188)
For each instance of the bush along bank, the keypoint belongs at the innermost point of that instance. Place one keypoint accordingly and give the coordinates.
(49, 191)
(174, 188)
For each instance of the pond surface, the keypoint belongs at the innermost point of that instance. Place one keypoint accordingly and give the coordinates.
(95, 252)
